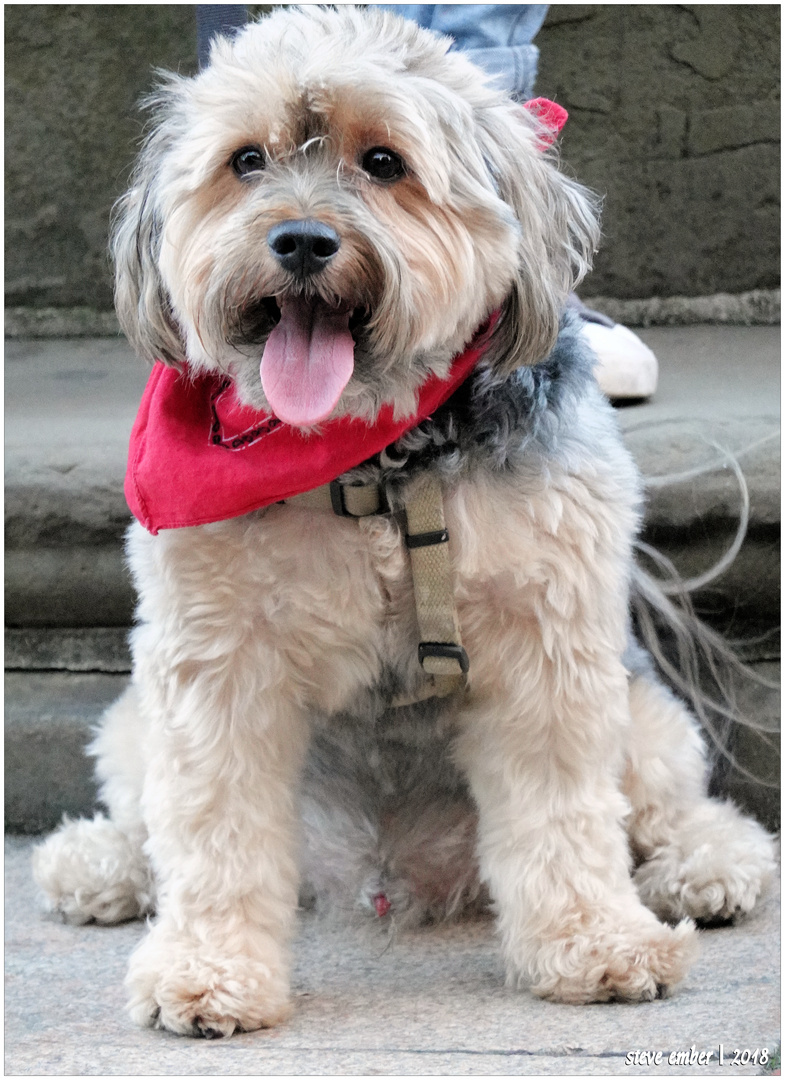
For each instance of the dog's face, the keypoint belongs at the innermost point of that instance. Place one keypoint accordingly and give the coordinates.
(333, 207)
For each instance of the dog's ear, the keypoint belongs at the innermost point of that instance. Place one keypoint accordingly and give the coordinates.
(559, 232)
(141, 299)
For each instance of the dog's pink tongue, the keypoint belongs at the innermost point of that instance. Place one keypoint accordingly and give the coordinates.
(307, 361)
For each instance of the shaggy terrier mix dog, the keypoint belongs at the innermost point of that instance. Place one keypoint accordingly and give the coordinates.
(325, 226)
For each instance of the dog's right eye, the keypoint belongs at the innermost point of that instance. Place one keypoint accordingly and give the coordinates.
(248, 160)
(383, 164)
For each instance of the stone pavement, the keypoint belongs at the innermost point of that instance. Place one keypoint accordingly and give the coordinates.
(426, 1003)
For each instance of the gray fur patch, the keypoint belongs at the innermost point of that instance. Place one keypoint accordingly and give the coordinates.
(386, 814)
(494, 422)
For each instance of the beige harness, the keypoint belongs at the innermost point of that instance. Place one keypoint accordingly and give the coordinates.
(442, 657)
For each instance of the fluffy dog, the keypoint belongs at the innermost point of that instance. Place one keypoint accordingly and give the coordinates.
(343, 199)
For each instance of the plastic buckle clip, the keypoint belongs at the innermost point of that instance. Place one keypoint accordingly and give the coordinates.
(338, 500)
(438, 648)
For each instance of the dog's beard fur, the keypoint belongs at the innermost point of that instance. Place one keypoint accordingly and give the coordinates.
(482, 219)
(251, 628)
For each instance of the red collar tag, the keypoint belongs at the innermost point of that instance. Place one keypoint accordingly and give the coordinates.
(197, 455)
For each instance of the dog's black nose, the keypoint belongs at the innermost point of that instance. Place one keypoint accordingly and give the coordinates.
(303, 247)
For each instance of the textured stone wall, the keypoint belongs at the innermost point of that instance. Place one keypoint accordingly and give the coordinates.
(674, 118)
(74, 75)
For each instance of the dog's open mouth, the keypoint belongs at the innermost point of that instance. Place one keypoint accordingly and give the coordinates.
(308, 358)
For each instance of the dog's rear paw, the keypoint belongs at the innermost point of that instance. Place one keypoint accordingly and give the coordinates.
(612, 964)
(91, 871)
(710, 873)
(192, 990)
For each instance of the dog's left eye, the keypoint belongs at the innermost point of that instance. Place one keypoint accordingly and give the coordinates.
(248, 160)
(383, 164)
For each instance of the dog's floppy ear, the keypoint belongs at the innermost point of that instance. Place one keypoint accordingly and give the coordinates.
(559, 232)
(141, 299)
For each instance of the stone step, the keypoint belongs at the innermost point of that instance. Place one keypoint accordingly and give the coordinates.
(50, 716)
(70, 405)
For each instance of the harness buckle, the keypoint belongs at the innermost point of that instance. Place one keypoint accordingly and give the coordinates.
(358, 500)
(443, 649)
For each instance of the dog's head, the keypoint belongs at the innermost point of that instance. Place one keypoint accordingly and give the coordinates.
(331, 209)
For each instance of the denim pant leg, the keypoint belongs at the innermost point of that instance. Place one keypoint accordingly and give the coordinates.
(497, 37)
(212, 19)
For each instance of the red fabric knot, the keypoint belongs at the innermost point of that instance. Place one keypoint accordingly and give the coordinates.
(551, 116)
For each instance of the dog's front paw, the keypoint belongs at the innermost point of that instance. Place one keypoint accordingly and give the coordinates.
(190, 989)
(614, 964)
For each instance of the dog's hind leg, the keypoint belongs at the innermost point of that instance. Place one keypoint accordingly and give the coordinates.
(95, 870)
(700, 856)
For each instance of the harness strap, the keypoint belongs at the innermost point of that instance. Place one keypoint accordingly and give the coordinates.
(345, 500)
(441, 654)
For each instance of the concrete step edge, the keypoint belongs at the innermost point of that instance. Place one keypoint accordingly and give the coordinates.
(705, 464)
(756, 307)
(84, 586)
(50, 717)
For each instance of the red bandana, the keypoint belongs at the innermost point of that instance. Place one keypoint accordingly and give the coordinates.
(197, 455)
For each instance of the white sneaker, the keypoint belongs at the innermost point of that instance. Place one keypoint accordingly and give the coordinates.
(626, 367)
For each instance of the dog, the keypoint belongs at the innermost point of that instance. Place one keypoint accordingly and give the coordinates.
(320, 223)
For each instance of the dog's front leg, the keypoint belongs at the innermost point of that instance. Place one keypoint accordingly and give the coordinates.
(541, 745)
(219, 803)
(246, 626)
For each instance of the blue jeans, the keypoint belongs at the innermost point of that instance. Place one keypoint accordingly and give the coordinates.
(214, 19)
(497, 37)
